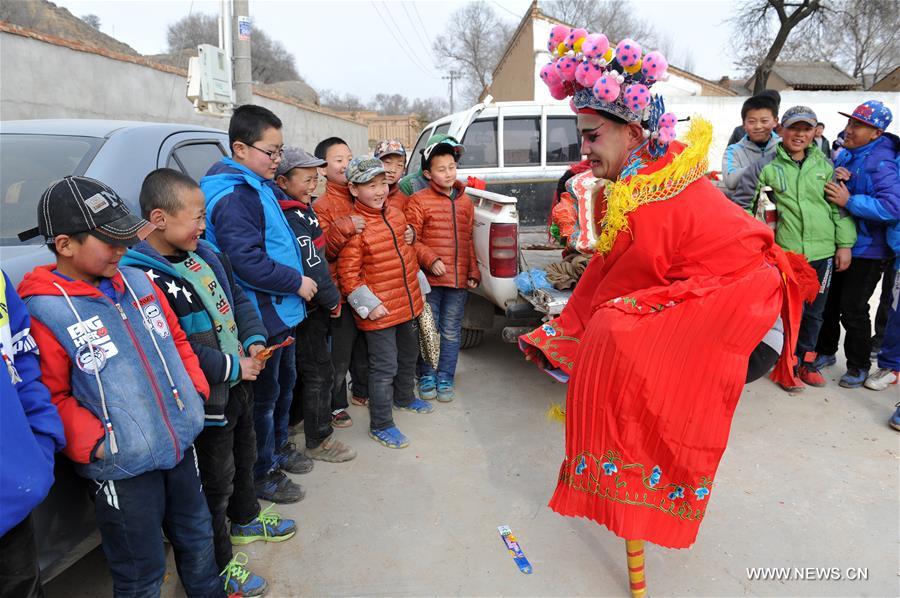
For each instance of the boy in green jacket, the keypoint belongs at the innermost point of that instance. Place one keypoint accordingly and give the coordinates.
(807, 223)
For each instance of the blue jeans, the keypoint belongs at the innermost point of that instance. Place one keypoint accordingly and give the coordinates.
(889, 356)
(447, 305)
(130, 513)
(273, 392)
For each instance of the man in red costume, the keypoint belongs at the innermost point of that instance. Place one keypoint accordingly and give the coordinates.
(658, 333)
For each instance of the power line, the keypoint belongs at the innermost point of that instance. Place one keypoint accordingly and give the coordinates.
(419, 34)
(421, 22)
(413, 54)
(506, 9)
(400, 41)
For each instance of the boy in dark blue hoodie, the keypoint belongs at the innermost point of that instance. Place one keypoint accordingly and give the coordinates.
(866, 185)
(297, 178)
(30, 433)
(226, 334)
(245, 222)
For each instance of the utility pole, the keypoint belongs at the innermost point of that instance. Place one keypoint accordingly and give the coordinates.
(453, 75)
(243, 80)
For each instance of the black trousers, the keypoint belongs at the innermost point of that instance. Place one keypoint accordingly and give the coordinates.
(348, 353)
(226, 456)
(848, 304)
(20, 576)
(392, 370)
(884, 305)
(315, 378)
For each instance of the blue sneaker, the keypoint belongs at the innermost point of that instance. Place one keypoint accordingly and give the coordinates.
(239, 580)
(268, 527)
(824, 361)
(895, 419)
(444, 391)
(390, 437)
(416, 406)
(854, 378)
(427, 388)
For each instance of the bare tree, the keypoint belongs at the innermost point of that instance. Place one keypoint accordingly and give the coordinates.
(92, 20)
(391, 103)
(865, 37)
(753, 24)
(473, 43)
(343, 102)
(429, 109)
(271, 62)
(614, 18)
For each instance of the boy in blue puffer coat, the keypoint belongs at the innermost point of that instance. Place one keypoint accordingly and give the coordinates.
(245, 222)
(30, 433)
(866, 185)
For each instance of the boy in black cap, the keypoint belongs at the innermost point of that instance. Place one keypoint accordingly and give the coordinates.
(127, 385)
(297, 177)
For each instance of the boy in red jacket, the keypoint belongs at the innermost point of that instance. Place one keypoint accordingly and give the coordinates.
(442, 216)
(127, 385)
(378, 273)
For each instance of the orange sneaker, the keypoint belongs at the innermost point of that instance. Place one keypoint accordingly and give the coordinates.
(811, 376)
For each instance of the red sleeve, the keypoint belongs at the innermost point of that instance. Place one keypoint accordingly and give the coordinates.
(83, 429)
(337, 230)
(188, 357)
(474, 273)
(415, 217)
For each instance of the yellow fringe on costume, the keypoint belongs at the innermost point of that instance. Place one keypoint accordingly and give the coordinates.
(625, 196)
(556, 413)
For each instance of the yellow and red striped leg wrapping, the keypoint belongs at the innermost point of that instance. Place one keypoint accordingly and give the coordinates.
(635, 551)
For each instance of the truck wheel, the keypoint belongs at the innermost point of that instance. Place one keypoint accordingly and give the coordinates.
(470, 337)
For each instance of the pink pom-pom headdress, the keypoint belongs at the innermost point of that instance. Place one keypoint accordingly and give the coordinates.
(613, 79)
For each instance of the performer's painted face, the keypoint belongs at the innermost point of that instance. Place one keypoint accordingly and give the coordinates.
(606, 143)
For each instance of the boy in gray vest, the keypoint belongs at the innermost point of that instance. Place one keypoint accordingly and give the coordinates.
(127, 385)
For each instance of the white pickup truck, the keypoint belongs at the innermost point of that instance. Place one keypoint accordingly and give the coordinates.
(520, 149)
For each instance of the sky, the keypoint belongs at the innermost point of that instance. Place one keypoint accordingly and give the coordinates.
(365, 48)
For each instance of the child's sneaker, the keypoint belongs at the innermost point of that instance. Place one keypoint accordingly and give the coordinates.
(444, 391)
(268, 526)
(811, 376)
(331, 450)
(881, 378)
(277, 488)
(239, 580)
(390, 437)
(895, 419)
(416, 406)
(824, 361)
(854, 378)
(289, 459)
(341, 419)
(427, 388)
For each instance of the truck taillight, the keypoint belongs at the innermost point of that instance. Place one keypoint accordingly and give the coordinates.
(504, 244)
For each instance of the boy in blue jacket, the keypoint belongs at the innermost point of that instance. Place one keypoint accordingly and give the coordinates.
(296, 178)
(245, 222)
(867, 185)
(127, 386)
(30, 433)
(226, 334)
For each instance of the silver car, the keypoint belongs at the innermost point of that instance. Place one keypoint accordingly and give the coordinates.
(34, 153)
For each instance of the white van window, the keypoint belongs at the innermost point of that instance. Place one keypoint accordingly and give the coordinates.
(195, 159)
(415, 156)
(521, 141)
(480, 141)
(563, 146)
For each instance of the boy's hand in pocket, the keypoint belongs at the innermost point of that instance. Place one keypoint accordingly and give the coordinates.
(378, 312)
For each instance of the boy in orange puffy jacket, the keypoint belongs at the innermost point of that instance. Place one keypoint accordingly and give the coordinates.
(442, 216)
(378, 274)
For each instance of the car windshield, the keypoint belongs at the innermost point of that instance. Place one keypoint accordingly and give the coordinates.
(28, 164)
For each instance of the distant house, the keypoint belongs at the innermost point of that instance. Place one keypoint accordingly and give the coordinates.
(405, 128)
(808, 76)
(890, 82)
(517, 76)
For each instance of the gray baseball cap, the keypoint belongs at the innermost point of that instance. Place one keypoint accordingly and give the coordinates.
(295, 157)
(799, 114)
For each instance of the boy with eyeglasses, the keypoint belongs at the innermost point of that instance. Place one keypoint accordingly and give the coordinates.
(245, 222)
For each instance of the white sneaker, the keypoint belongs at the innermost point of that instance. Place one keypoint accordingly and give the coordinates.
(881, 378)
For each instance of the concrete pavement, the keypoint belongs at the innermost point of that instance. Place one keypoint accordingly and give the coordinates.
(807, 481)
